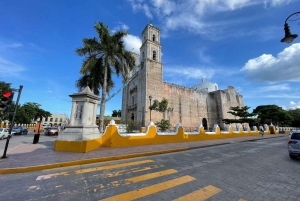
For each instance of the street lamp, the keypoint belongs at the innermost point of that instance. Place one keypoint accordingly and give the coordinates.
(289, 37)
(150, 98)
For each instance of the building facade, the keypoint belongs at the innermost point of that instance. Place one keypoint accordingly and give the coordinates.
(56, 119)
(203, 103)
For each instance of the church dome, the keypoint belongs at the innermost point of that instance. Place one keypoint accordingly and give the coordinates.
(207, 86)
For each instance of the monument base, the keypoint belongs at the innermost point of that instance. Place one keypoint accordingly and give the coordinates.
(78, 139)
(77, 146)
(79, 133)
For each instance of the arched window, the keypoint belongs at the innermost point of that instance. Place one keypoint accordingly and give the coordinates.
(154, 55)
(132, 116)
(153, 37)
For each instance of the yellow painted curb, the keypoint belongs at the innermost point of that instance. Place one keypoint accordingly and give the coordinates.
(85, 161)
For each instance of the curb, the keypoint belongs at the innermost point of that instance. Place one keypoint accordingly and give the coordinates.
(105, 159)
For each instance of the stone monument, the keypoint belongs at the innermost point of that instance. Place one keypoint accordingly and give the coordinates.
(83, 118)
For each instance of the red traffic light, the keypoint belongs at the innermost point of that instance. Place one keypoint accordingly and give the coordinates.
(7, 94)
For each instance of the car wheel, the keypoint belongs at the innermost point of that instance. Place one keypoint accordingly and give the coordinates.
(1, 138)
(293, 157)
(26, 132)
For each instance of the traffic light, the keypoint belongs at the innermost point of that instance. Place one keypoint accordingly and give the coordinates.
(6, 100)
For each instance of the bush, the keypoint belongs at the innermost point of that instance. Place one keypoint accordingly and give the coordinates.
(163, 125)
(131, 125)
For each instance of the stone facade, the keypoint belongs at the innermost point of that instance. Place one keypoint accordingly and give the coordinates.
(189, 106)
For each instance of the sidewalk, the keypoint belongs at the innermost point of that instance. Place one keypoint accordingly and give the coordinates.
(34, 157)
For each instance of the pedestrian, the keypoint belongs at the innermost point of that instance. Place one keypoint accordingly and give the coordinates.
(262, 132)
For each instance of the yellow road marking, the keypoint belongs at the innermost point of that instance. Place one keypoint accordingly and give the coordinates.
(137, 179)
(48, 176)
(112, 166)
(150, 176)
(142, 192)
(201, 194)
(242, 199)
(122, 172)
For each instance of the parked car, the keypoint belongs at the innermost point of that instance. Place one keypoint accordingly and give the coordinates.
(51, 131)
(3, 133)
(19, 130)
(294, 145)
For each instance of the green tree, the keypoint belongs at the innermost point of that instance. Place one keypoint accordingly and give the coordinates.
(273, 114)
(21, 117)
(161, 107)
(94, 78)
(4, 86)
(33, 111)
(114, 58)
(116, 113)
(295, 113)
(241, 115)
(163, 125)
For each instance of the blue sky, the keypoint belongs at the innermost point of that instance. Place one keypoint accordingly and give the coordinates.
(230, 42)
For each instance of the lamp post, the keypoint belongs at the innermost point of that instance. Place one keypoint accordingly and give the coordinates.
(289, 37)
(150, 98)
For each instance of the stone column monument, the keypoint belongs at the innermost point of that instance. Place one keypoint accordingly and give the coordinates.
(83, 118)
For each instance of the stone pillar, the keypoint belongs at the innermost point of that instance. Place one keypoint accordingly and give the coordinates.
(83, 116)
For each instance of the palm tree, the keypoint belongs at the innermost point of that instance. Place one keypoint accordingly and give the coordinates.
(94, 79)
(110, 50)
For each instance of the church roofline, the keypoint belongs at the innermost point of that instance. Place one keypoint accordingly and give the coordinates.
(151, 26)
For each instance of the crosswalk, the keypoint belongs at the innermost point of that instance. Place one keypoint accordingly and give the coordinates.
(125, 176)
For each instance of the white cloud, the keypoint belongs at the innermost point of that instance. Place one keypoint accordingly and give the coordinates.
(189, 72)
(138, 5)
(269, 69)
(294, 104)
(132, 43)
(11, 69)
(279, 87)
(279, 2)
(203, 56)
(198, 16)
(120, 26)
(11, 45)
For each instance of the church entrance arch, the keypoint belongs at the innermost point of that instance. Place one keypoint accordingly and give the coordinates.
(132, 116)
(204, 123)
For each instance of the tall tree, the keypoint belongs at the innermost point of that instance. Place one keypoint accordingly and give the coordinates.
(295, 113)
(116, 113)
(110, 50)
(94, 78)
(241, 115)
(273, 114)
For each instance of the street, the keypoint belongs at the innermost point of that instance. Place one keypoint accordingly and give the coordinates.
(257, 170)
(16, 140)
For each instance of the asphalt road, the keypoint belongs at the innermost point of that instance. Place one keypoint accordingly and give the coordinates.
(258, 170)
(16, 140)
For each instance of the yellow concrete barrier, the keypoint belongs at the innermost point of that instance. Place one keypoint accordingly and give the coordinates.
(113, 139)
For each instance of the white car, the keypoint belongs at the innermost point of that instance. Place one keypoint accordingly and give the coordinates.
(3, 133)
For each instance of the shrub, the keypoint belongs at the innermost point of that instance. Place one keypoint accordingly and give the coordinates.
(131, 125)
(163, 125)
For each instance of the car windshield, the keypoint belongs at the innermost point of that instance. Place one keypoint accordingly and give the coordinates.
(53, 128)
(1, 129)
(295, 136)
(19, 127)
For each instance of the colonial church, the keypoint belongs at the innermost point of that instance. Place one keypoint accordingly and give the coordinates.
(202, 104)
